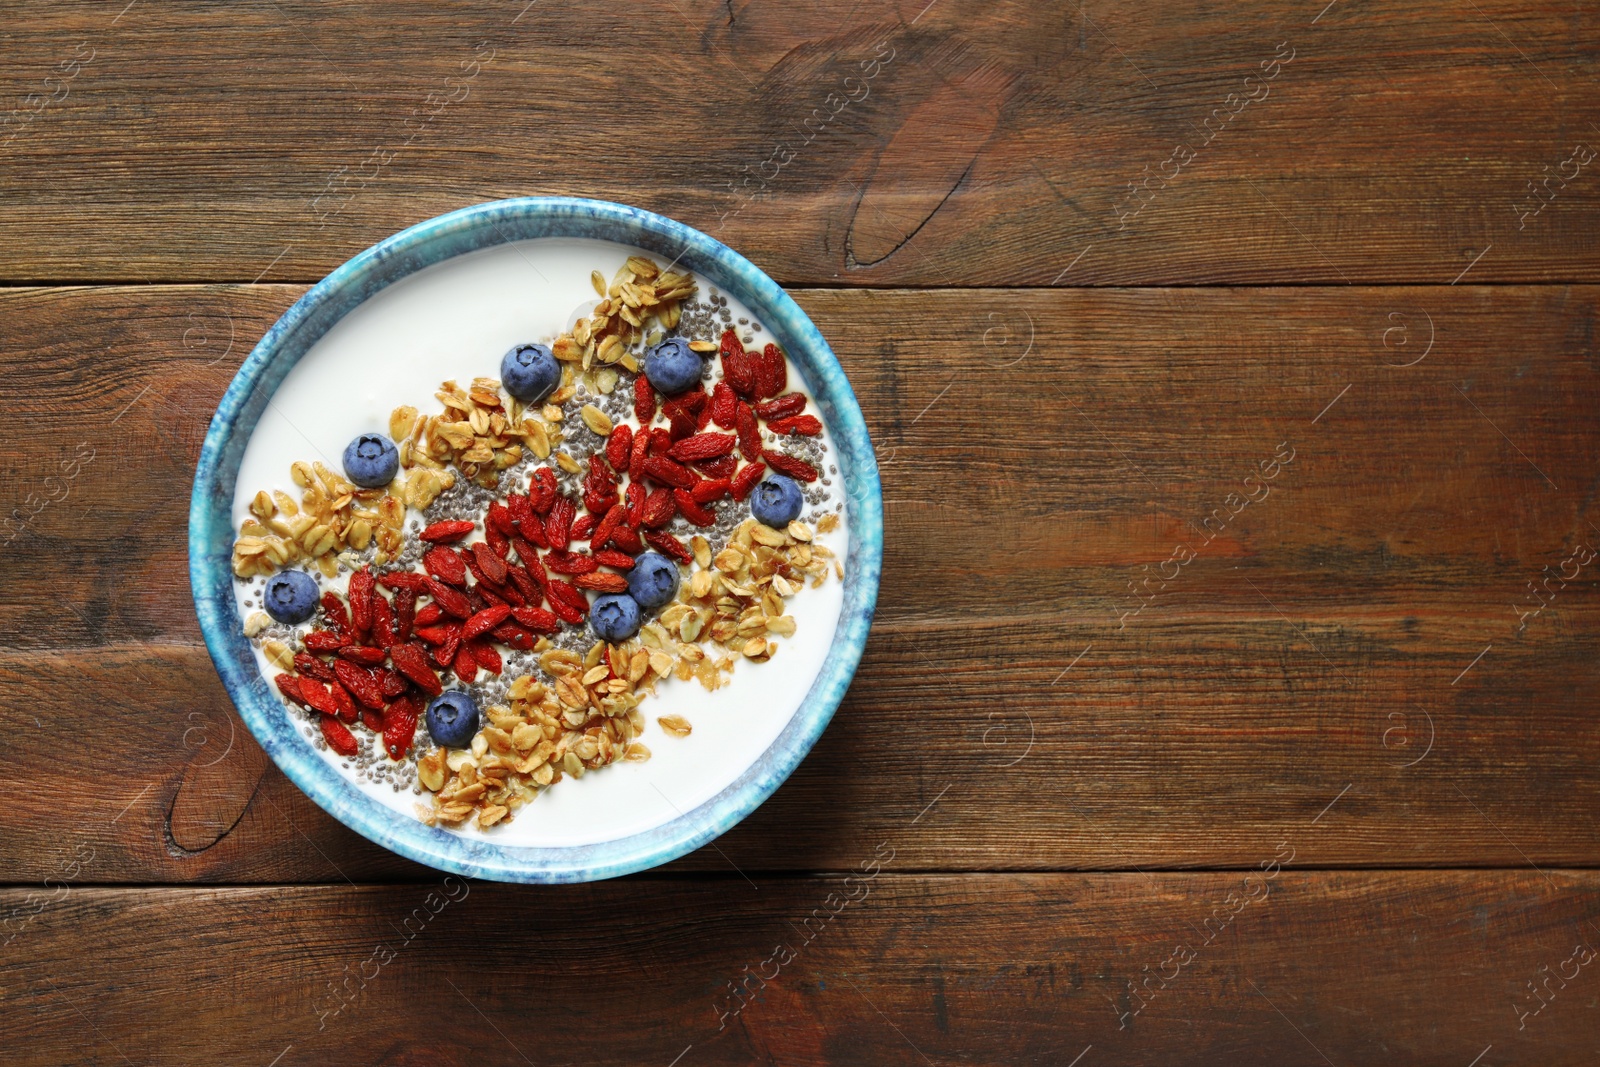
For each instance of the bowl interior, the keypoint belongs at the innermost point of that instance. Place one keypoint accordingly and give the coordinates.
(481, 226)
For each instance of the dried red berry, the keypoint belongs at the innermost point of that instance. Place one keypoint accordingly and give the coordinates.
(307, 664)
(668, 545)
(700, 516)
(498, 542)
(360, 594)
(289, 686)
(451, 601)
(804, 425)
(774, 372)
(536, 619)
(603, 531)
(391, 682)
(411, 661)
(794, 468)
(465, 665)
(570, 562)
(338, 736)
(485, 656)
(749, 433)
(334, 611)
(405, 580)
(644, 400)
(702, 446)
(400, 725)
(785, 405)
(511, 634)
(363, 685)
(584, 525)
(365, 655)
(449, 530)
(724, 403)
(738, 370)
(484, 621)
(746, 479)
(318, 696)
(372, 720)
(562, 593)
(602, 582)
(721, 467)
(542, 490)
(627, 539)
(659, 508)
(428, 614)
(709, 490)
(492, 564)
(324, 641)
(405, 614)
(612, 558)
(558, 527)
(634, 500)
(382, 621)
(641, 446)
(446, 565)
(667, 472)
(682, 424)
(346, 703)
(619, 446)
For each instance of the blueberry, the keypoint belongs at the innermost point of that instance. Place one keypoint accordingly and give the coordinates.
(453, 719)
(653, 580)
(530, 373)
(671, 366)
(776, 502)
(614, 618)
(371, 461)
(290, 597)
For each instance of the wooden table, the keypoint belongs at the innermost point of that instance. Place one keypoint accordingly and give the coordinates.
(1233, 373)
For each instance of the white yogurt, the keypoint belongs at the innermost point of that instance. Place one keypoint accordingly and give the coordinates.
(456, 320)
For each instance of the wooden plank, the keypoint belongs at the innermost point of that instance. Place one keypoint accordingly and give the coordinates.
(877, 144)
(1355, 628)
(1230, 968)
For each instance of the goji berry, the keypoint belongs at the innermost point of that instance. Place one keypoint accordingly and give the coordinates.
(692, 511)
(520, 510)
(524, 583)
(334, 611)
(721, 467)
(405, 580)
(446, 565)
(347, 705)
(619, 446)
(360, 594)
(536, 619)
(452, 601)
(794, 468)
(289, 686)
(602, 582)
(749, 433)
(484, 621)
(372, 720)
(668, 545)
(400, 726)
(515, 636)
(492, 564)
(746, 479)
(562, 593)
(627, 539)
(599, 486)
(804, 425)
(558, 527)
(644, 400)
(724, 403)
(660, 441)
(667, 472)
(584, 525)
(738, 369)
(612, 558)
(382, 621)
(702, 446)
(338, 736)
(363, 685)
(566, 612)
(542, 490)
(498, 517)
(498, 542)
(485, 656)
(785, 405)
(602, 532)
(391, 682)
(659, 508)
(445, 654)
(449, 530)
(324, 641)
(365, 655)
(405, 614)
(641, 446)
(427, 615)
(318, 696)
(709, 490)
(681, 424)
(536, 571)
(465, 666)
(774, 373)
(410, 660)
(434, 635)
(634, 501)
(307, 664)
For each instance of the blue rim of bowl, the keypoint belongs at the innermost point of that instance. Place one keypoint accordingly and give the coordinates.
(411, 250)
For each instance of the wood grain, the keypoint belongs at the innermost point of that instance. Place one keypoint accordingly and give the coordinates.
(897, 144)
(1327, 644)
(1335, 967)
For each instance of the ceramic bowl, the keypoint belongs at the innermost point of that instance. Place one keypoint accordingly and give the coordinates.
(211, 533)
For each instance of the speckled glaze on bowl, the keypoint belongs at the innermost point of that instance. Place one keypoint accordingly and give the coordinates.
(211, 533)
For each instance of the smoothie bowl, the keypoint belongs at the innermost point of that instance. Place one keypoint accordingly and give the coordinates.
(538, 542)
